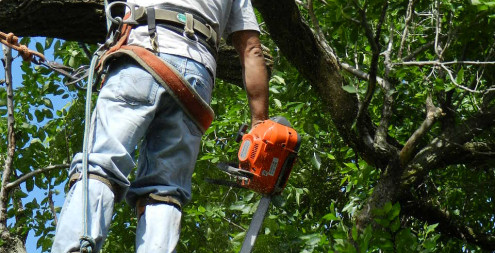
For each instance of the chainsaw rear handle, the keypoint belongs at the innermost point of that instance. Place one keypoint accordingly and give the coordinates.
(241, 132)
(243, 129)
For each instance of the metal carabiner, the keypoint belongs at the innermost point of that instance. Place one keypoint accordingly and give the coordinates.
(131, 20)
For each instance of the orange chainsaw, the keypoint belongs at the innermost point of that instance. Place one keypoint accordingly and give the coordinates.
(266, 157)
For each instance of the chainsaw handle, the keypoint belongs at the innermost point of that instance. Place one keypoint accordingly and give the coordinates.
(241, 132)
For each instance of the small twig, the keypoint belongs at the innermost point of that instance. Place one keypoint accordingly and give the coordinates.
(437, 30)
(319, 32)
(85, 50)
(418, 50)
(235, 225)
(24, 177)
(360, 74)
(52, 205)
(438, 63)
(452, 78)
(409, 16)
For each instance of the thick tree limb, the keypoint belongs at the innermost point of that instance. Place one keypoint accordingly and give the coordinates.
(447, 224)
(447, 149)
(432, 114)
(388, 101)
(29, 175)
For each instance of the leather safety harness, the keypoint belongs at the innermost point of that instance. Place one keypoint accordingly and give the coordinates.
(193, 27)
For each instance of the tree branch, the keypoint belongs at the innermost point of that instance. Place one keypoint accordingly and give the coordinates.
(319, 32)
(409, 18)
(374, 41)
(52, 206)
(432, 114)
(24, 177)
(447, 224)
(438, 63)
(388, 100)
(7, 170)
(361, 74)
(447, 148)
(438, 28)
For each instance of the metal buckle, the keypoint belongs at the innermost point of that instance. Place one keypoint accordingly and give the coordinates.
(194, 37)
(131, 20)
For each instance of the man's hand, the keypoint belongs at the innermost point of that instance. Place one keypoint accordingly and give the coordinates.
(255, 76)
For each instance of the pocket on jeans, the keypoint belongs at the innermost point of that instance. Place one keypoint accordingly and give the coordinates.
(136, 87)
(201, 86)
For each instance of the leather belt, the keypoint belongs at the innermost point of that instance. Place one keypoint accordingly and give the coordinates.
(182, 21)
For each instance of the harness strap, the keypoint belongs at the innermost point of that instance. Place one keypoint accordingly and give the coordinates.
(155, 199)
(190, 101)
(189, 27)
(152, 28)
(77, 177)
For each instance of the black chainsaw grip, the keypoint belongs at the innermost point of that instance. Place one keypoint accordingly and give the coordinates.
(241, 132)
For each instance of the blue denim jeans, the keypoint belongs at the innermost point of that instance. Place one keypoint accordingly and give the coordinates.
(134, 110)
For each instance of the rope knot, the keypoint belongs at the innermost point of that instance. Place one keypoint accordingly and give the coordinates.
(12, 39)
(25, 53)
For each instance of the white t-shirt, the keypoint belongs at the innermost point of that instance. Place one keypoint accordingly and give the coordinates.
(226, 17)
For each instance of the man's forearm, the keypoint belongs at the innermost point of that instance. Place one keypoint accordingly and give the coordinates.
(255, 75)
(256, 84)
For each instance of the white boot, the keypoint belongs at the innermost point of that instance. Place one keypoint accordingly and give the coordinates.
(70, 228)
(158, 229)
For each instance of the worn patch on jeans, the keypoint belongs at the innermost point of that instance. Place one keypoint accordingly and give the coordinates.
(136, 89)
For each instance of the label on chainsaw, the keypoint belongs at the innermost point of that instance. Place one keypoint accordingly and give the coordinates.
(244, 149)
(273, 167)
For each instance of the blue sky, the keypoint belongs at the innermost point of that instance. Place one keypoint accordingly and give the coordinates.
(57, 104)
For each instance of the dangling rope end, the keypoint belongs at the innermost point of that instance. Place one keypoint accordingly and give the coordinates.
(87, 244)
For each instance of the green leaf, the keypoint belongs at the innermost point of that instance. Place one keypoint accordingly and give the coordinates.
(330, 217)
(48, 103)
(354, 233)
(48, 42)
(349, 88)
(277, 80)
(316, 160)
(40, 47)
(431, 228)
(460, 76)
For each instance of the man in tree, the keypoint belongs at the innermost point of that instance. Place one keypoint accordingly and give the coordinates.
(133, 106)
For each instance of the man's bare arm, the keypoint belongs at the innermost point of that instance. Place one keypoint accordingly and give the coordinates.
(255, 75)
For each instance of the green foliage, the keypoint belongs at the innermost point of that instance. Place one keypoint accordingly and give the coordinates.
(330, 183)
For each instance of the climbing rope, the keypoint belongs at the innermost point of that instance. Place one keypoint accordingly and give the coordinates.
(87, 243)
(74, 76)
(12, 41)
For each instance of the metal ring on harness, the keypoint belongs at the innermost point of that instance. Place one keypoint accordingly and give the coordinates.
(132, 8)
(194, 37)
